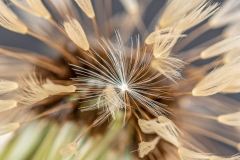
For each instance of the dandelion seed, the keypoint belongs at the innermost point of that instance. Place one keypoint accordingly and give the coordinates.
(186, 154)
(233, 87)
(111, 104)
(228, 14)
(163, 47)
(159, 35)
(230, 119)
(7, 105)
(230, 56)
(31, 90)
(221, 47)
(166, 129)
(146, 147)
(196, 16)
(76, 33)
(146, 126)
(175, 10)
(87, 7)
(7, 86)
(34, 7)
(169, 67)
(53, 89)
(6, 128)
(10, 21)
(69, 149)
(217, 80)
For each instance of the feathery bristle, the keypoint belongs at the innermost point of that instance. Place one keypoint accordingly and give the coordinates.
(146, 147)
(10, 21)
(7, 128)
(76, 33)
(7, 105)
(87, 7)
(7, 86)
(34, 7)
(221, 47)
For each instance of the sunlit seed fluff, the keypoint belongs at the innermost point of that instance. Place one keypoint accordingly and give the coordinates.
(87, 7)
(170, 67)
(175, 10)
(10, 21)
(7, 86)
(186, 154)
(53, 89)
(221, 47)
(7, 105)
(160, 35)
(76, 33)
(7, 128)
(167, 130)
(218, 79)
(146, 126)
(163, 46)
(31, 90)
(196, 16)
(146, 147)
(233, 87)
(235, 157)
(228, 13)
(232, 119)
(69, 149)
(232, 55)
(35, 7)
(111, 103)
(131, 6)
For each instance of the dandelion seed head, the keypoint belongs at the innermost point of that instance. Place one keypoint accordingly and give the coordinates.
(124, 87)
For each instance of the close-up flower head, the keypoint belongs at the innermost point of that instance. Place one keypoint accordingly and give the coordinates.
(119, 79)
